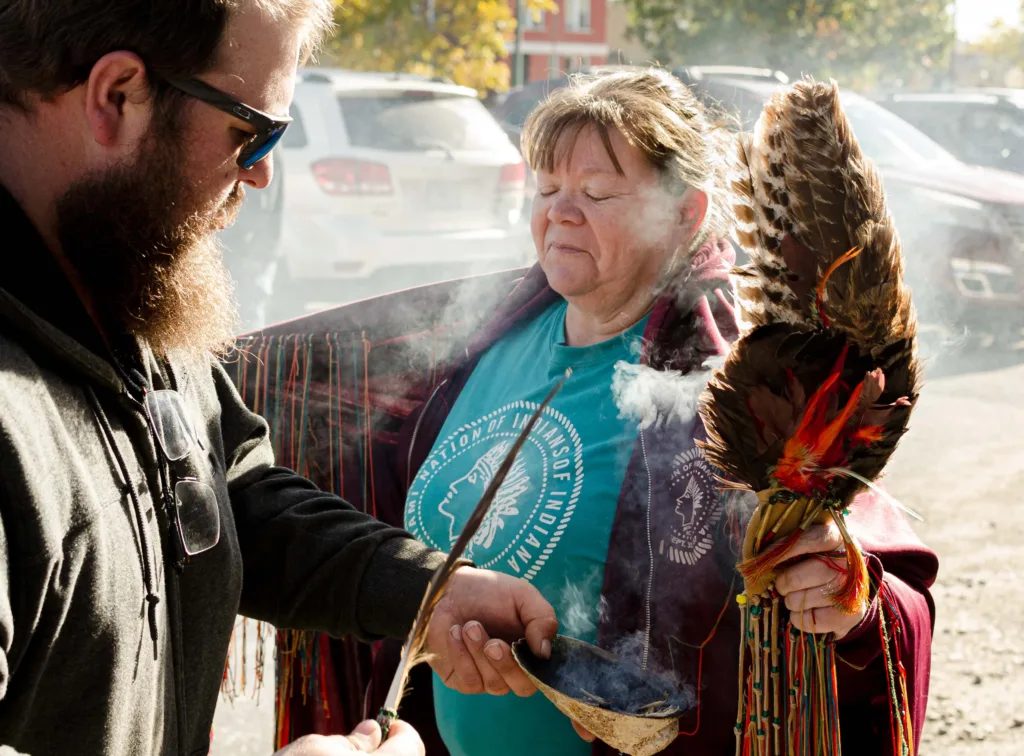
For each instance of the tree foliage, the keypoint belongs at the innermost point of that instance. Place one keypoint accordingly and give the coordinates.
(1000, 55)
(861, 42)
(467, 42)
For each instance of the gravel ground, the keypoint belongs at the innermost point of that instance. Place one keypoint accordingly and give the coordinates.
(245, 726)
(962, 468)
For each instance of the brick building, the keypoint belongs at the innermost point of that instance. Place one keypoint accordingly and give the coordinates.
(558, 43)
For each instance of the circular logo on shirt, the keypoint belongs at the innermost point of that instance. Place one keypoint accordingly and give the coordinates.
(698, 509)
(534, 505)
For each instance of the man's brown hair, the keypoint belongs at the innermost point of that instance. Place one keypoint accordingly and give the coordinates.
(657, 114)
(49, 46)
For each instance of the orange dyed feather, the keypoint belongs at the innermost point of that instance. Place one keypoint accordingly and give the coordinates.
(820, 293)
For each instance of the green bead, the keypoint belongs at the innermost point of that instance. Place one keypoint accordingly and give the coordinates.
(757, 686)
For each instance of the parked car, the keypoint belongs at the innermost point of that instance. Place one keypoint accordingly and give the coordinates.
(962, 226)
(251, 249)
(393, 181)
(982, 127)
(512, 107)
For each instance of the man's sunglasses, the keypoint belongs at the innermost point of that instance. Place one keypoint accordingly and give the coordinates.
(269, 129)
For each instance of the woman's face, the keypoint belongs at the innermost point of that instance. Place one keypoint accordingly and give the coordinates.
(604, 235)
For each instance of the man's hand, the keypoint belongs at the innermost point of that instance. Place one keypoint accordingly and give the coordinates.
(469, 634)
(808, 584)
(402, 741)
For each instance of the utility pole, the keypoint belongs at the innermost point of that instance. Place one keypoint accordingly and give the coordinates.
(952, 53)
(518, 63)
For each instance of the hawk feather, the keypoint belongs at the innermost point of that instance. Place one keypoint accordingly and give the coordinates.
(804, 196)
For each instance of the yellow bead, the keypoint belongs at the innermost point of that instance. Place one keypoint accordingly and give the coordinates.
(741, 598)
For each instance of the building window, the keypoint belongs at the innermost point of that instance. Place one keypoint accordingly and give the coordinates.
(577, 63)
(577, 15)
(533, 23)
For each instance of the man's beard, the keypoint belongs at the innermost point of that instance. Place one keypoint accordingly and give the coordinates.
(146, 253)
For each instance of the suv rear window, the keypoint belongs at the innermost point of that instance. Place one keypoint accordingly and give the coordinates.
(412, 121)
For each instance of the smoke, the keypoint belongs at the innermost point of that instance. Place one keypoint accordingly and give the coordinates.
(622, 684)
(578, 616)
(655, 398)
(618, 681)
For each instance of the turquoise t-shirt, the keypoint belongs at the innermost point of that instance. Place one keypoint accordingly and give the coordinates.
(552, 518)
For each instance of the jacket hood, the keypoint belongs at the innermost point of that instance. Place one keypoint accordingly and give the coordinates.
(39, 304)
(42, 337)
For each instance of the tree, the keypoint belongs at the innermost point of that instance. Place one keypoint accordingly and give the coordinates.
(861, 42)
(999, 56)
(466, 41)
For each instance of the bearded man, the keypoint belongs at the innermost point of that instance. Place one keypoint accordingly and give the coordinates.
(140, 508)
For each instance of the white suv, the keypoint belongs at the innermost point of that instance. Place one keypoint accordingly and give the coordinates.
(390, 181)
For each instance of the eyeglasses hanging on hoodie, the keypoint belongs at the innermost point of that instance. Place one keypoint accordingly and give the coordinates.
(195, 513)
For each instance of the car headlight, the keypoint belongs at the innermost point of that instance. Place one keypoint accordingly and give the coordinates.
(980, 279)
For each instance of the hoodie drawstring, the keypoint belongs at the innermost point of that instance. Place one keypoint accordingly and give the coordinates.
(152, 598)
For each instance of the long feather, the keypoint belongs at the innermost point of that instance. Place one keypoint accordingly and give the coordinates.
(804, 195)
(414, 651)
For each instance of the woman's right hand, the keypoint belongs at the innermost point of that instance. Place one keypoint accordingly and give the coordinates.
(403, 740)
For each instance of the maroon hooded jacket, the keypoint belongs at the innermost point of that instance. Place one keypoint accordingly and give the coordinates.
(664, 582)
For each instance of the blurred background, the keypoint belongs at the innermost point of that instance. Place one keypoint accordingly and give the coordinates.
(402, 168)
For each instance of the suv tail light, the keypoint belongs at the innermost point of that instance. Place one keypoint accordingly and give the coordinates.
(513, 176)
(345, 177)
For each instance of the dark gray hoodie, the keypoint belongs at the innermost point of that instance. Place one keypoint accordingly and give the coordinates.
(106, 647)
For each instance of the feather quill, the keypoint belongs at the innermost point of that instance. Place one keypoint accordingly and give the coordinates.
(414, 650)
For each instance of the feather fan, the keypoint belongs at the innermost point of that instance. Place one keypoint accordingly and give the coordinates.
(414, 650)
(812, 401)
(826, 271)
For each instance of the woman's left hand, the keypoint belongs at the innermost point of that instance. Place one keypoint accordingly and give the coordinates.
(808, 584)
(468, 635)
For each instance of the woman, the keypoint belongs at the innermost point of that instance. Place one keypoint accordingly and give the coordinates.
(611, 510)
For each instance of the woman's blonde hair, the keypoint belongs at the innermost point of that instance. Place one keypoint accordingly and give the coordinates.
(657, 114)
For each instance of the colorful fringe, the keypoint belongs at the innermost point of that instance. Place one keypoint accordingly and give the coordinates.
(320, 396)
(788, 697)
